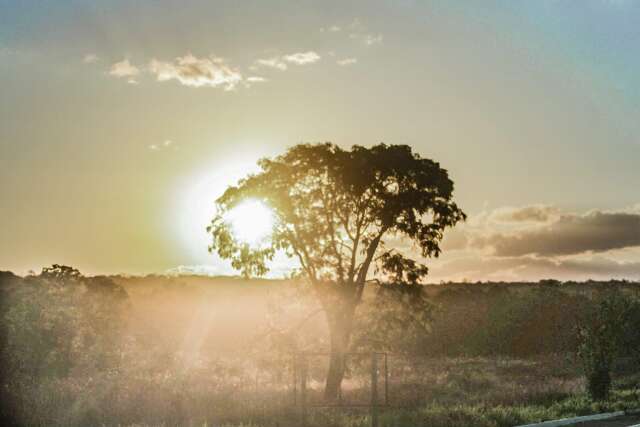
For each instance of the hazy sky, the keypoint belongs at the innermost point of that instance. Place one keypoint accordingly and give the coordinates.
(120, 122)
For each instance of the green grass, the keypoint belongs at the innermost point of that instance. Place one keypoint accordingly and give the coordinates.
(439, 415)
(547, 406)
(445, 392)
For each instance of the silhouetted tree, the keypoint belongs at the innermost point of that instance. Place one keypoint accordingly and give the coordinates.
(333, 210)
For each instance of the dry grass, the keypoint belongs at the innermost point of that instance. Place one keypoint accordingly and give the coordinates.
(491, 392)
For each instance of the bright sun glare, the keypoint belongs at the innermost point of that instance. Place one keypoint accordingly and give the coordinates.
(251, 221)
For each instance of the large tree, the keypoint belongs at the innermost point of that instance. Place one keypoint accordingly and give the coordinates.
(334, 210)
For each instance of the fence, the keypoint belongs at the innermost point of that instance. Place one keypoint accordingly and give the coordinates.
(289, 388)
(378, 397)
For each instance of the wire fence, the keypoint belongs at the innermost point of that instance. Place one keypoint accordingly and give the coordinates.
(366, 383)
(292, 385)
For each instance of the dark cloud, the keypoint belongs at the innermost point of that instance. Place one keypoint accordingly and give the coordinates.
(537, 242)
(569, 234)
(533, 268)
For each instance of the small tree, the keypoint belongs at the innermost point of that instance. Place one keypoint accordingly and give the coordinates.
(333, 210)
(601, 335)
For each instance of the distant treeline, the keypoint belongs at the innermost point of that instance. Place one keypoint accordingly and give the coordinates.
(513, 319)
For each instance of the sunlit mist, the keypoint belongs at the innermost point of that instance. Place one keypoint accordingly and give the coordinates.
(367, 213)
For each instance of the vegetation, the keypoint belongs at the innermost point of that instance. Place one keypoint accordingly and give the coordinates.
(334, 209)
(606, 328)
(80, 351)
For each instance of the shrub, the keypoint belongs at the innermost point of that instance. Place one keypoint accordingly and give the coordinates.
(602, 334)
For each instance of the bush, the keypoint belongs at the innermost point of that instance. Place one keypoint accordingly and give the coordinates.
(603, 331)
(61, 335)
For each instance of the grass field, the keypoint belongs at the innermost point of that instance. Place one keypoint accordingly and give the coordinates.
(505, 392)
(205, 352)
(482, 392)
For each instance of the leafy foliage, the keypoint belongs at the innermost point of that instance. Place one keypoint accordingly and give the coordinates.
(334, 207)
(396, 319)
(76, 352)
(333, 210)
(59, 325)
(604, 329)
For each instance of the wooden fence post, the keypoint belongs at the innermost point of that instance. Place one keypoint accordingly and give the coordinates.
(374, 390)
(386, 380)
(303, 390)
(296, 362)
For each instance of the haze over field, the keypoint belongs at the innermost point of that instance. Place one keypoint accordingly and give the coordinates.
(120, 123)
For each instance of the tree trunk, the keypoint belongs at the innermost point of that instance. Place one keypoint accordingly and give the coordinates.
(340, 325)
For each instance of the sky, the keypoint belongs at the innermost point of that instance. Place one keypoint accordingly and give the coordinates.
(120, 123)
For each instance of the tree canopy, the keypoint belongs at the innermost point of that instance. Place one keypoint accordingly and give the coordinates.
(335, 210)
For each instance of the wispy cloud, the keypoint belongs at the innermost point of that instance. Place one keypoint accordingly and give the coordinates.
(531, 213)
(357, 26)
(124, 69)
(198, 270)
(359, 31)
(368, 39)
(165, 145)
(331, 29)
(282, 62)
(90, 58)
(371, 39)
(274, 62)
(251, 80)
(302, 58)
(347, 61)
(197, 72)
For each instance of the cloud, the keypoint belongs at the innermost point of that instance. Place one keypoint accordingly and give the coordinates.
(347, 61)
(532, 213)
(357, 26)
(197, 72)
(371, 39)
(568, 234)
(455, 239)
(331, 29)
(534, 268)
(275, 62)
(302, 58)
(198, 270)
(256, 79)
(90, 58)
(165, 145)
(359, 32)
(280, 62)
(249, 81)
(124, 69)
(537, 242)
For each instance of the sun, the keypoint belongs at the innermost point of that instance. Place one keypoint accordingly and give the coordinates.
(251, 222)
